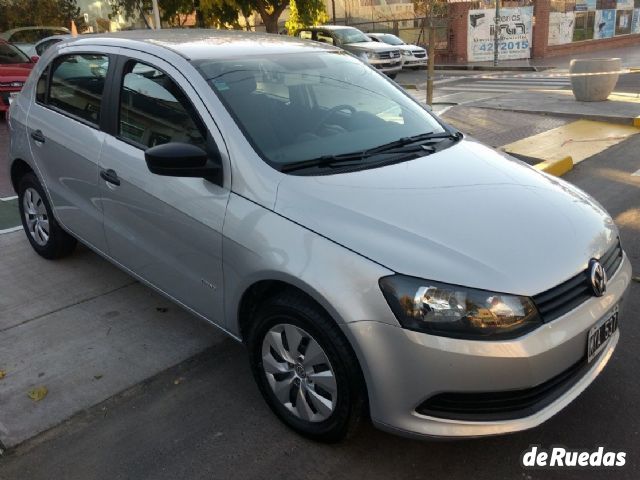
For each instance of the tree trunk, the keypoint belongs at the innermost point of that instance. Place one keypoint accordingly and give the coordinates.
(270, 23)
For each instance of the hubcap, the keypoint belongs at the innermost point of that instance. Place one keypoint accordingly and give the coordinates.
(299, 372)
(36, 216)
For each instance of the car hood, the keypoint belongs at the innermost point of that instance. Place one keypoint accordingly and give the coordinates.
(370, 47)
(466, 215)
(412, 48)
(15, 72)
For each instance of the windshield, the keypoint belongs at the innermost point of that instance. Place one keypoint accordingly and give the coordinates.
(390, 39)
(300, 106)
(350, 35)
(10, 54)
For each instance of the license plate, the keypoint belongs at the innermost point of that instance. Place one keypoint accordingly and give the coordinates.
(600, 333)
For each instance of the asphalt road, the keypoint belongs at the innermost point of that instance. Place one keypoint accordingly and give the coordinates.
(206, 419)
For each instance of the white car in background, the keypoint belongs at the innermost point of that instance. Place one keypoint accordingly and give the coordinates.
(25, 38)
(413, 56)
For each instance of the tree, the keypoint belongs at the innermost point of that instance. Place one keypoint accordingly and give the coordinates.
(430, 9)
(27, 13)
(315, 13)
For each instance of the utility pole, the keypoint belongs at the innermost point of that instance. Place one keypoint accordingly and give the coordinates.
(333, 10)
(496, 34)
(431, 62)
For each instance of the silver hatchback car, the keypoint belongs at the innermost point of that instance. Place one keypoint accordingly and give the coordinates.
(375, 261)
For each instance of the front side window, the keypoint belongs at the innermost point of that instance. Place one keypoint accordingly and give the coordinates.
(77, 84)
(11, 55)
(303, 106)
(305, 34)
(154, 110)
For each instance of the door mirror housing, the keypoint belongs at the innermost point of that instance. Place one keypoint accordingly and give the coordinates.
(182, 160)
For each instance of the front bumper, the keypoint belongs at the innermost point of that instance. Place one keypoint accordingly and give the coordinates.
(404, 368)
(387, 66)
(414, 62)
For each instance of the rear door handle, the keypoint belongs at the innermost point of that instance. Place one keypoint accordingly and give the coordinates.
(38, 136)
(110, 176)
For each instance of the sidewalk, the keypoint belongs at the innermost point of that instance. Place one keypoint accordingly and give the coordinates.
(619, 108)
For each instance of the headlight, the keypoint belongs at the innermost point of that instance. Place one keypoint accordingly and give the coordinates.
(371, 55)
(406, 53)
(459, 312)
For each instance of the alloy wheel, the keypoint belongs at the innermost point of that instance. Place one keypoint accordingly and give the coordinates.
(35, 213)
(299, 372)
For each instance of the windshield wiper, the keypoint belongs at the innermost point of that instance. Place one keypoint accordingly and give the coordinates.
(402, 145)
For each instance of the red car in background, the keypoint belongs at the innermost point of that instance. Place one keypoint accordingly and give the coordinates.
(15, 67)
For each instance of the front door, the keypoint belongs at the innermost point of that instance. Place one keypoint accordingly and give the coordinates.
(166, 230)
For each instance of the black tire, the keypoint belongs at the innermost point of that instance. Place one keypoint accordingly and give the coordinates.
(59, 243)
(392, 76)
(293, 308)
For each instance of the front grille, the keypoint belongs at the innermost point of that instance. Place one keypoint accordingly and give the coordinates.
(503, 405)
(419, 54)
(568, 295)
(389, 54)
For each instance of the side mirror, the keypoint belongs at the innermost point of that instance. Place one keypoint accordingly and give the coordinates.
(182, 160)
(34, 59)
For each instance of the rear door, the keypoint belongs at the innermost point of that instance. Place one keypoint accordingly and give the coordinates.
(166, 230)
(66, 140)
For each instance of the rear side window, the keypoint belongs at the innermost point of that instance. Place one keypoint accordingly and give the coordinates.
(154, 110)
(77, 85)
(305, 34)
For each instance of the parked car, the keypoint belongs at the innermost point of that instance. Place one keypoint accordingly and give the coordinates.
(374, 260)
(412, 55)
(15, 67)
(385, 58)
(25, 38)
(45, 43)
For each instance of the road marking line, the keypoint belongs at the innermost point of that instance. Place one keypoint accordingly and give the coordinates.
(8, 199)
(637, 174)
(9, 230)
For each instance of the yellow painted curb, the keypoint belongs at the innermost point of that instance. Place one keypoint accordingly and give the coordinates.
(556, 167)
(636, 122)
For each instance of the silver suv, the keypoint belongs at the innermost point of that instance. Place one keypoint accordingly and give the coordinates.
(384, 57)
(373, 260)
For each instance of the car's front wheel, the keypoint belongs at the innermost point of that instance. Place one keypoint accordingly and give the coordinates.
(306, 369)
(46, 236)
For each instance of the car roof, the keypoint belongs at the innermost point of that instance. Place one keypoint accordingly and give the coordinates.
(203, 44)
(330, 27)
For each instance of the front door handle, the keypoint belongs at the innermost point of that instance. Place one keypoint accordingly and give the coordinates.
(38, 136)
(110, 176)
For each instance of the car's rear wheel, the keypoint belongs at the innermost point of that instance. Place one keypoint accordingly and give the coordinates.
(46, 236)
(306, 369)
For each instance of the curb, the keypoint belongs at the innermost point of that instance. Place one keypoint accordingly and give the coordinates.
(523, 68)
(556, 167)
(635, 121)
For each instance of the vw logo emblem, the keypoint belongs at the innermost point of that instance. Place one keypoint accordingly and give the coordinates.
(597, 278)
